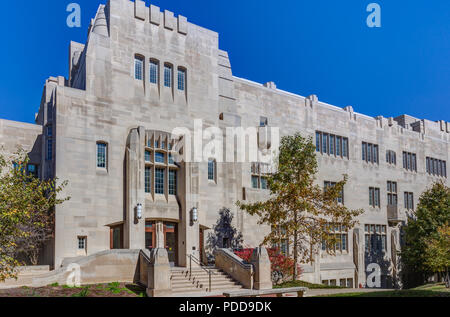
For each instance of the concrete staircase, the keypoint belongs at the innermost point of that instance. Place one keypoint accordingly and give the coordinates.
(198, 282)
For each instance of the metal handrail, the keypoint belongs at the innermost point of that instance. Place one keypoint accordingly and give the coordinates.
(203, 267)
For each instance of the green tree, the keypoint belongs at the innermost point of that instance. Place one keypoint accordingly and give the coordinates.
(25, 205)
(437, 252)
(298, 210)
(433, 211)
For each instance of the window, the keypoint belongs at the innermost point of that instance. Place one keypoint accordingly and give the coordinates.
(340, 234)
(340, 199)
(181, 79)
(148, 156)
(49, 149)
(374, 197)
(159, 181)
(102, 155)
(370, 153)
(391, 157)
(32, 169)
(211, 170)
(82, 243)
(49, 130)
(154, 72)
(436, 167)
(49, 112)
(171, 160)
(410, 161)
(333, 145)
(148, 179)
(172, 182)
(167, 75)
(259, 175)
(263, 122)
(375, 238)
(160, 157)
(255, 182)
(138, 68)
(392, 193)
(409, 200)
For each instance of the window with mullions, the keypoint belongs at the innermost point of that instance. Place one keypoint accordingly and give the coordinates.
(259, 175)
(374, 197)
(375, 238)
(410, 161)
(340, 234)
(154, 71)
(148, 156)
(138, 68)
(159, 181)
(370, 152)
(332, 145)
(102, 152)
(391, 157)
(408, 201)
(181, 79)
(340, 199)
(172, 182)
(168, 75)
(49, 155)
(436, 167)
(148, 179)
(160, 157)
(392, 193)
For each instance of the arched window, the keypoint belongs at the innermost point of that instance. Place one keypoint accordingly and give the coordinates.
(102, 155)
(212, 167)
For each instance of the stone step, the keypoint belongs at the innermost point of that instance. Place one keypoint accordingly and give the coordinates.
(204, 284)
(188, 290)
(201, 279)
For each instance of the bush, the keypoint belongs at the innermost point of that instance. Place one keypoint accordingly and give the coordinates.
(281, 266)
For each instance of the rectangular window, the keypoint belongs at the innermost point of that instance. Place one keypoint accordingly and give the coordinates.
(101, 155)
(374, 197)
(148, 179)
(181, 79)
(154, 71)
(211, 170)
(375, 154)
(409, 201)
(364, 151)
(369, 152)
(410, 161)
(160, 157)
(82, 243)
(168, 76)
(392, 193)
(338, 146)
(318, 141)
(263, 183)
(49, 131)
(172, 182)
(436, 167)
(375, 238)
(255, 182)
(263, 122)
(325, 143)
(138, 68)
(345, 147)
(159, 181)
(332, 144)
(148, 156)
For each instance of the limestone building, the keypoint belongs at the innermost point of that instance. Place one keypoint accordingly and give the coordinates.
(108, 130)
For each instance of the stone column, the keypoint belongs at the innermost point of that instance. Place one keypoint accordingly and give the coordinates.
(261, 263)
(160, 235)
(159, 274)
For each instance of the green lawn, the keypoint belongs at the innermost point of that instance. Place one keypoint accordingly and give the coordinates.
(431, 290)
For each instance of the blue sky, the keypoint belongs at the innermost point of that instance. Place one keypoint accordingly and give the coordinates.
(321, 47)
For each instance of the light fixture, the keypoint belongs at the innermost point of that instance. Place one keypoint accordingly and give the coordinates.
(194, 215)
(139, 211)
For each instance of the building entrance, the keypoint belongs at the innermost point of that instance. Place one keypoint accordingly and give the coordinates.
(167, 232)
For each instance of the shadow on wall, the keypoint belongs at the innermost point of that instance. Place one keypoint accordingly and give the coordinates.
(224, 235)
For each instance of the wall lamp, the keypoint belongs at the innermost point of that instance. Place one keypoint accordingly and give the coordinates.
(194, 215)
(139, 211)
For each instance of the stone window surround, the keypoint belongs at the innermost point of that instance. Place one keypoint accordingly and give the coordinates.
(374, 197)
(260, 171)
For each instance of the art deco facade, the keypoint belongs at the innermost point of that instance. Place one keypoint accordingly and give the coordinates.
(107, 129)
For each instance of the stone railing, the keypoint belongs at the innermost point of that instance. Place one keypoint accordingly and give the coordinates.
(234, 266)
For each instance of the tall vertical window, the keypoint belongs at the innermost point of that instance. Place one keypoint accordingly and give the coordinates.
(375, 238)
(148, 179)
(345, 147)
(392, 193)
(172, 182)
(167, 75)
(410, 161)
(318, 141)
(391, 157)
(409, 201)
(154, 71)
(138, 68)
(374, 197)
(338, 146)
(370, 153)
(181, 79)
(102, 155)
(332, 144)
(325, 143)
(211, 170)
(255, 182)
(82, 243)
(159, 181)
